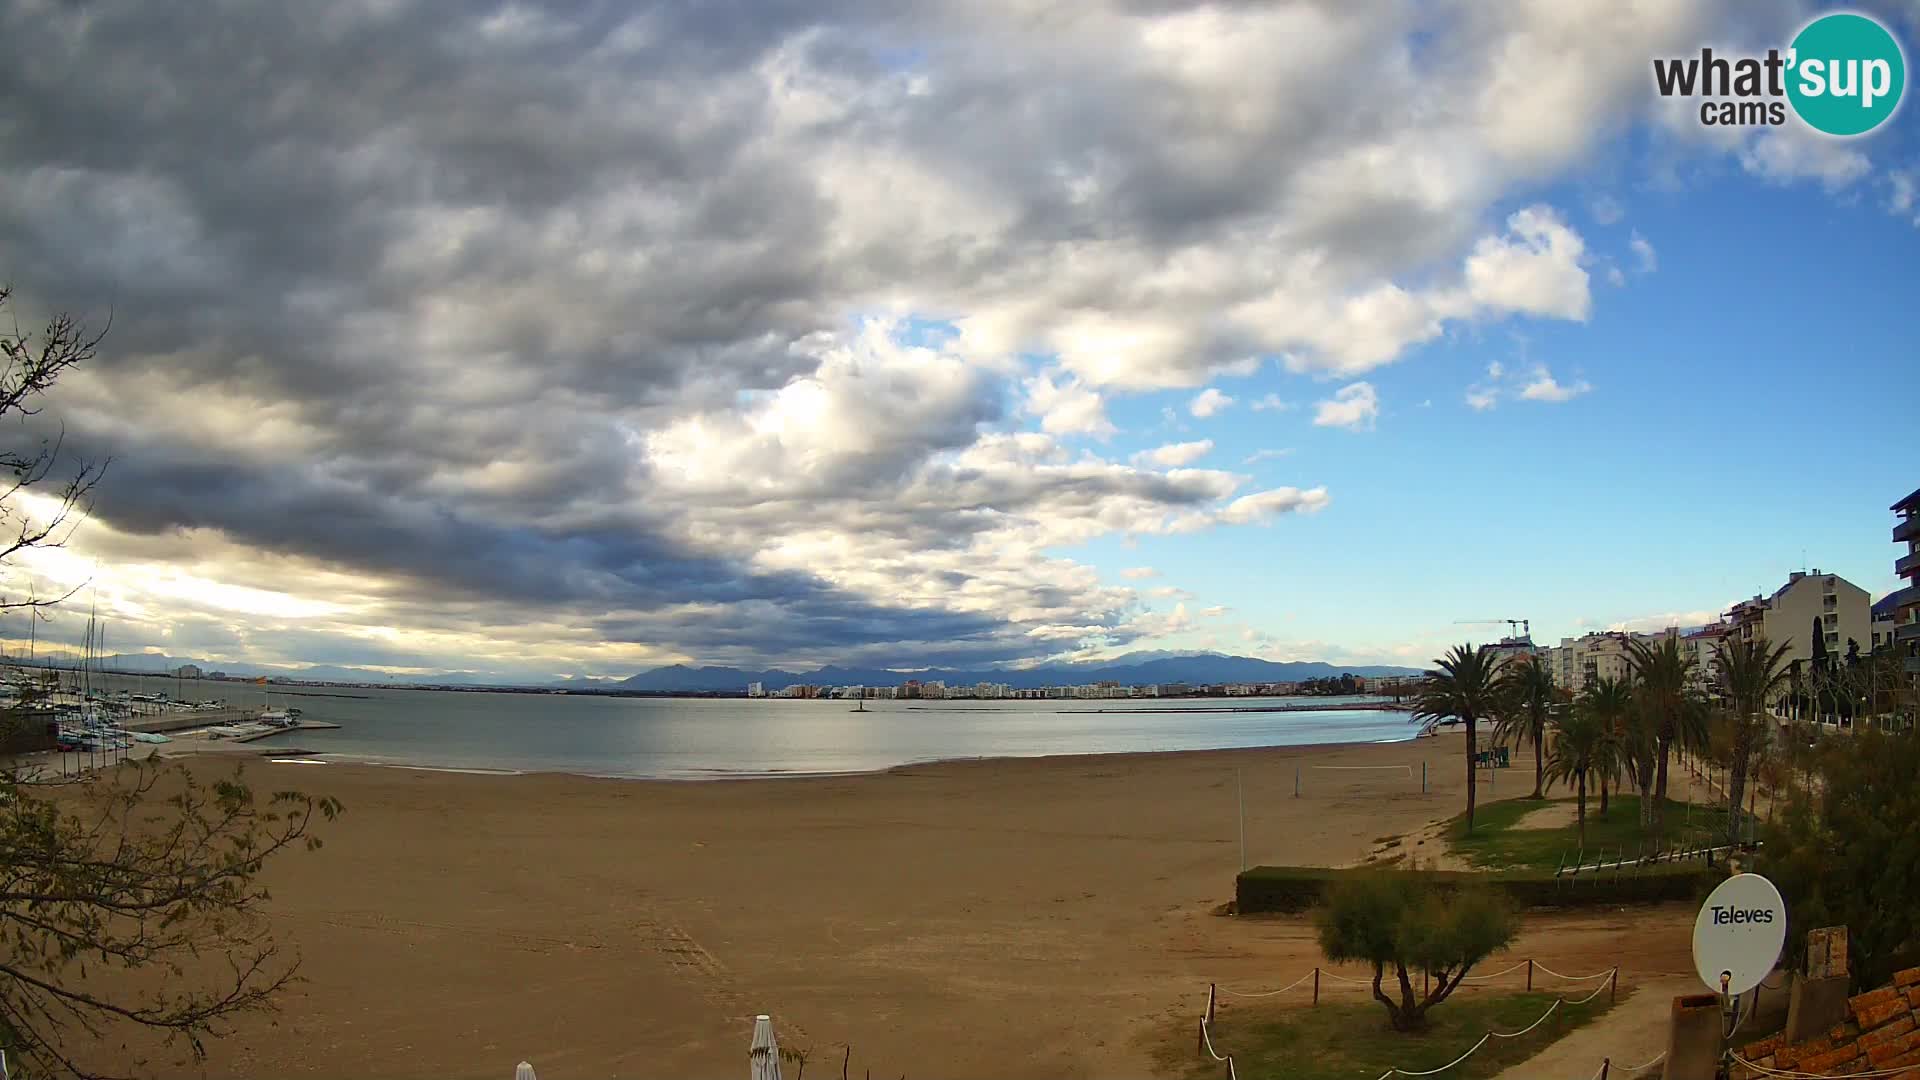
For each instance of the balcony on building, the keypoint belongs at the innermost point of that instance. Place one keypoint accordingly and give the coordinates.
(1908, 530)
(1907, 567)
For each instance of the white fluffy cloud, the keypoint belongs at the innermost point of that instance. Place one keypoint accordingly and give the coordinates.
(1065, 407)
(1543, 387)
(1139, 573)
(1266, 455)
(1533, 270)
(1208, 402)
(1355, 407)
(1903, 193)
(1784, 155)
(1643, 251)
(1270, 403)
(1175, 454)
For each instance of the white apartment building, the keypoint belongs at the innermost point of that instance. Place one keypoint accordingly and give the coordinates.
(1701, 644)
(1577, 662)
(755, 689)
(1906, 602)
(1839, 607)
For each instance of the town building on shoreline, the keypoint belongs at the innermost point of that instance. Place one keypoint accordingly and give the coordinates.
(1886, 620)
(936, 690)
(1579, 662)
(1840, 608)
(1906, 606)
(1516, 648)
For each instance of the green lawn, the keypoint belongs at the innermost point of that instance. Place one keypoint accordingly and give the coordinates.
(1351, 1040)
(1496, 843)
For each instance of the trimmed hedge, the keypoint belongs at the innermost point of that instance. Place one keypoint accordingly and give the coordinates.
(1296, 888)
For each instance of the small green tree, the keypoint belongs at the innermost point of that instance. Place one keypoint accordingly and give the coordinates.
(1395, 922)
(1845, 852)
(142, 868)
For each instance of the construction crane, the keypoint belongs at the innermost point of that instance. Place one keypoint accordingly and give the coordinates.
(1515, 627)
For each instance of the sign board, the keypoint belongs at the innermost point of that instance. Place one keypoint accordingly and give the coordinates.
(1827, 952)
(1738, 934)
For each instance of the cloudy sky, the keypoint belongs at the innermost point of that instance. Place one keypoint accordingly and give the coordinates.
(584, 337)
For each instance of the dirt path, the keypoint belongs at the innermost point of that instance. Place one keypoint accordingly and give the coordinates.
(1632, 1033)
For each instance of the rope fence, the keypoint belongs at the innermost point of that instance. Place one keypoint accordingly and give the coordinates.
(1662, 1056)
(1610, 986)
(1788, 1074)
(1318, 973)
(1206, 1040)
(1491, 1035)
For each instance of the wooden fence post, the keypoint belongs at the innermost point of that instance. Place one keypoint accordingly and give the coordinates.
(1613, 987)
(1316, 986)
(1529, 973)
(1210, 991)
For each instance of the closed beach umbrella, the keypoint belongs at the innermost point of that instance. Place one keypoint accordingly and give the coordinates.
(764, 1055)
(524, 1071)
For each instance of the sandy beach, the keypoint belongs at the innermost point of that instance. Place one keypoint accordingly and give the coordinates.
(1005, 918)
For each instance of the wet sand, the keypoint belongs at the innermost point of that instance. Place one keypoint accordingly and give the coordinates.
(1008, 918)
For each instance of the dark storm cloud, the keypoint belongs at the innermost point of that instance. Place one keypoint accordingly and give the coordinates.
(465, 260)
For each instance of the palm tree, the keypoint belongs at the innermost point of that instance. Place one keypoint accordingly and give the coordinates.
(1527, 697)
(1582, 747)
(1463, 686)
(1749, 674)
(1610, 701)
(1675, 713)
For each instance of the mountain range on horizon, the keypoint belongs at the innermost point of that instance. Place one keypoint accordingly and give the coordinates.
(1129, 669)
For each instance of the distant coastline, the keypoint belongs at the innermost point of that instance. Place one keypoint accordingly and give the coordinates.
(303, 688)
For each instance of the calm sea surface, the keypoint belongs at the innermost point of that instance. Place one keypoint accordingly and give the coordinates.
(675, 738)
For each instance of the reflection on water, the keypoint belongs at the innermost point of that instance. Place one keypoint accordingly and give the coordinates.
(729, 737)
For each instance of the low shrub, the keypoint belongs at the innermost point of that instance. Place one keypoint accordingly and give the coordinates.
(1291, 889)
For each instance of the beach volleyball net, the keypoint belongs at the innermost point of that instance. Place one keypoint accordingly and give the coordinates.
(1311, 780)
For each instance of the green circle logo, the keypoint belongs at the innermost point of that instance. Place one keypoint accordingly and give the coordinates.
(1845, 74)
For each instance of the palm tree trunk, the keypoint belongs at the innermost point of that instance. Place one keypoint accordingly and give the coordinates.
(1580, 807)
(1539, 762)
(1737, 778)
(1660, 786)
(1603, 794)
(1472, 779)
(1643, 780)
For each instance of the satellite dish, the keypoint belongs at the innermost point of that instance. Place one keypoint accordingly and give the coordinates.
(1738, 934)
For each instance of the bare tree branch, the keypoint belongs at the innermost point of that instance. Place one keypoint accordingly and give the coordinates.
(140, 868)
